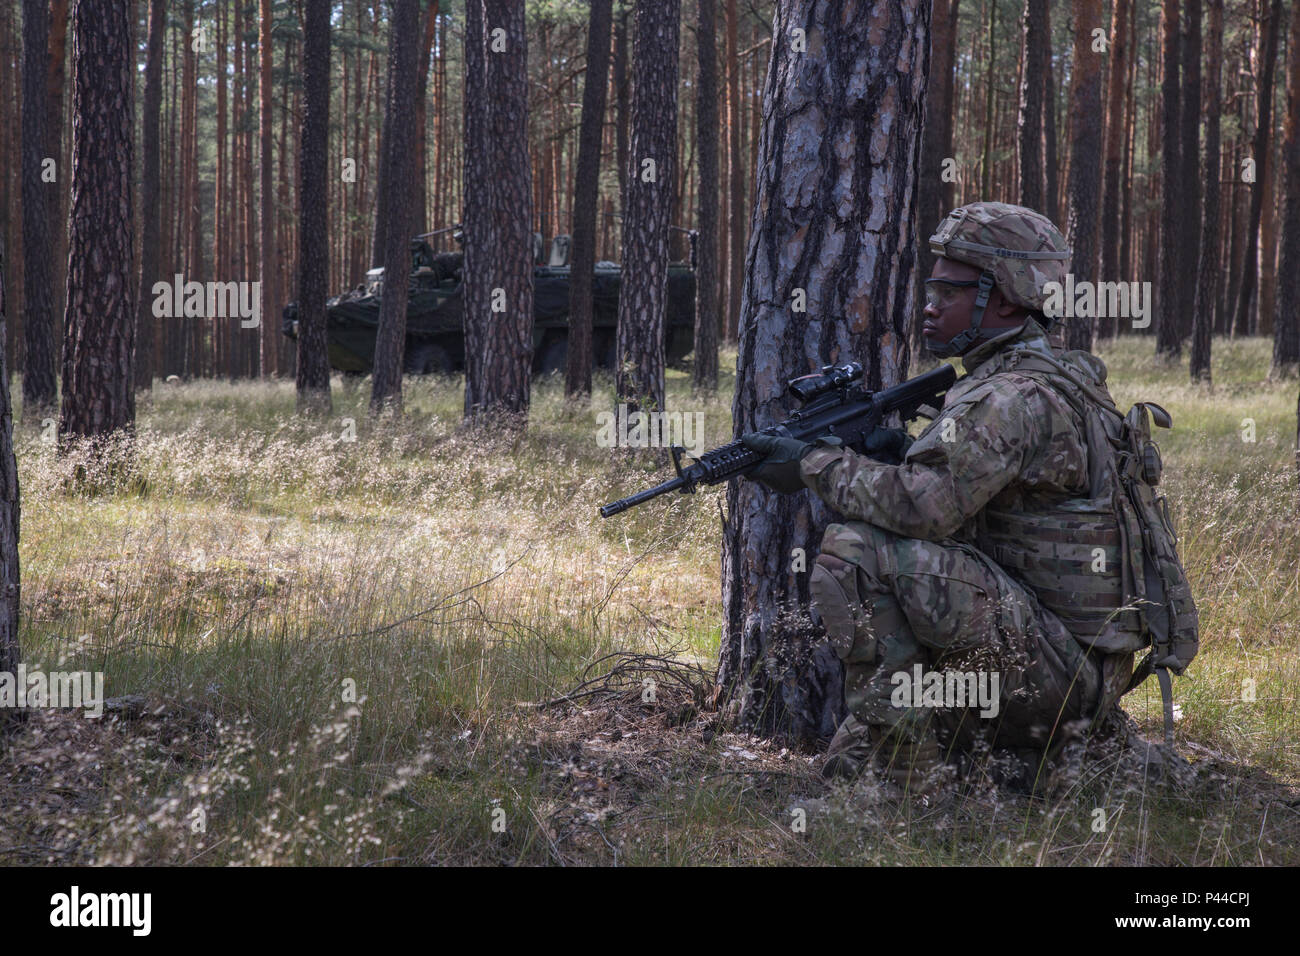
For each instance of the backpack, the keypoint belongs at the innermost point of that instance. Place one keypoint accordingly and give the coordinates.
(1123, 456)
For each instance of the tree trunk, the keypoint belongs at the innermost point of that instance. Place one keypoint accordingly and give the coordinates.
(734, 263)
(1189, 205)
(1168, 322)
(1036, 50)
(1051, 183)
(100, 317)
(396, 188)
(266, 205)
(1116, 125)
(836, 196)
(986, 155)
(420, 205)
(59, 146)
(1209, 265)
(10, 652)
(647, 205)
(1286, 326)
(1085, 162)
(505, 366)
(935, 199)
(1260, 150)
(586, 194)
(313, 375)
(150, 207)
(40, 204)
(704, 375)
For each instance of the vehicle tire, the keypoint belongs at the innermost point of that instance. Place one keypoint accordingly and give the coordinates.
(428, 358)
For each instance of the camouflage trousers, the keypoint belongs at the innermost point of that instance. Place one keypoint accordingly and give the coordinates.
(896, 608)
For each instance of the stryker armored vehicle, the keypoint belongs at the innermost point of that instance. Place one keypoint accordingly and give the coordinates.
(435, 339)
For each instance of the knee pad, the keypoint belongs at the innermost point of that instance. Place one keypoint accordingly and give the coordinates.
(836, 593)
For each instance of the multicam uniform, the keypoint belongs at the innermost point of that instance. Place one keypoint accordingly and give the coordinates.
(909, 578)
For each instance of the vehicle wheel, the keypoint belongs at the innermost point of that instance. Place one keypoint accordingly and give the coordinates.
(554, 355)
(428, 359)
(603, 354)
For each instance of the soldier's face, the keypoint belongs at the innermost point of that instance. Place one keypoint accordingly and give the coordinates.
(948, 309)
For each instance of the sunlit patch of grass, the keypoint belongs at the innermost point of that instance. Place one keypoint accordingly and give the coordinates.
(339, 623)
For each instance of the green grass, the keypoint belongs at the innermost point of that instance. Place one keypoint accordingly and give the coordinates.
(342, 625)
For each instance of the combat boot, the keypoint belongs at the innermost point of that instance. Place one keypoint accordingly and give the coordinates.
(850, 750)
(912, 765)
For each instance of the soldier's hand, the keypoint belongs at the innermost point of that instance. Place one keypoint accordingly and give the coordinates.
(888, 445)
(780, 467)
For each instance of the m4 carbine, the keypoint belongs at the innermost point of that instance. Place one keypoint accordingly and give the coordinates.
(833, 404)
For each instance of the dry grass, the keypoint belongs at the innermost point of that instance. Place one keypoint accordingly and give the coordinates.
(342, 631)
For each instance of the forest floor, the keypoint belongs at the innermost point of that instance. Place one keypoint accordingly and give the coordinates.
(342, 642)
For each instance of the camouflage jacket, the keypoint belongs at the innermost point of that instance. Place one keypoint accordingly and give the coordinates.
(1004, 441)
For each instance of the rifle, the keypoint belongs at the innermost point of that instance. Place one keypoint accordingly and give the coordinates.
(833, 403)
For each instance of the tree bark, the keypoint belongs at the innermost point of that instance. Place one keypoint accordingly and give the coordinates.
(936, 195)
(837, 193)
(704, 375)
(1286, 326)
(586, 194)
(647, 205)
(1116, 126)
(313, 375)
(1051, 184)
(100, 313)
(10, 512)
(734, 263)
(1168, 322)
(266, 204)
(1036, 47)
(1260, 151)
(40, 206)
(396, 191)
(1190, 155)
(1085, 162)
(1209, 263)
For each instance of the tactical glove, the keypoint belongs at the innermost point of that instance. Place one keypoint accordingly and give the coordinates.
(780, 469)
(888, 445)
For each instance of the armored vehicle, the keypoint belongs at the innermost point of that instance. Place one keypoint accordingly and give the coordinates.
(435, 339)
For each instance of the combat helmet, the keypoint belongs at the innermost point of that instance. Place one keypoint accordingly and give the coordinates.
(1015, 248)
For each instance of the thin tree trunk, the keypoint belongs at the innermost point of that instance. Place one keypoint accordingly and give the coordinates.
(853, 251)
(935, 196)
(735, 260)
(1263, 123)
(10, 512)
(1190, 179)
(1085, 161)
(313, 373)
(150, 212)
(100, 319)
(1116, 129)
(1035, 50)
(1286, 325)
(1209, 265)
(704, 375)
(266, 204)
(586, 195)
(647, 205)
(395, 176)
(1168, 322)
(1051, 184)
(40, 201)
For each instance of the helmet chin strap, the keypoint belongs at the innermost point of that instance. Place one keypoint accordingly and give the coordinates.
(963, 340)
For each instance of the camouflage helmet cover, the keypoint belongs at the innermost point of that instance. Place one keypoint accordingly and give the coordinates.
(1020, 247)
